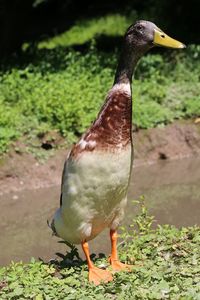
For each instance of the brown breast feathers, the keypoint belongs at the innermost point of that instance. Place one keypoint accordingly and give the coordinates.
(112, 128)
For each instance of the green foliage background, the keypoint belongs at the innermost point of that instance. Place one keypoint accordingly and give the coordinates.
(55, 86)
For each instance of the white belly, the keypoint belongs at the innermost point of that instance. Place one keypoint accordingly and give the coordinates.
(93, 194)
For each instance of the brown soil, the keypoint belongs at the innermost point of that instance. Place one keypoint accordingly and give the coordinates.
(21, 170)
(175, 141)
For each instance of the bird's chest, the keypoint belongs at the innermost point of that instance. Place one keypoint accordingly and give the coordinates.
(98, 178)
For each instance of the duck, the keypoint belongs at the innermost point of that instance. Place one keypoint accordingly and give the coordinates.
(97, 171)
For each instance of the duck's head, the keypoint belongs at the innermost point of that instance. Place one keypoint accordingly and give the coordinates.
(145, 35)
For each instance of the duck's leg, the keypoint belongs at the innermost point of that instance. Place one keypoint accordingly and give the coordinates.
(96, 275)
(114, 261)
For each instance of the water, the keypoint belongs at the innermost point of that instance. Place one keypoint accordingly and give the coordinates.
(171, 189)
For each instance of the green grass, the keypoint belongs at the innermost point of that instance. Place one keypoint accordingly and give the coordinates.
(85, 30)
(167, 266)
(63, 89)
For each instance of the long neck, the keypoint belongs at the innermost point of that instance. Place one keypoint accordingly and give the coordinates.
(113, 126)
(126, 66)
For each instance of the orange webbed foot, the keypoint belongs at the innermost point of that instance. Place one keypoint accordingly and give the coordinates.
(98, 276)
(118, 266)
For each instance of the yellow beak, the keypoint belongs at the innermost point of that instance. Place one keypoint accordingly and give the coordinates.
(161, 39)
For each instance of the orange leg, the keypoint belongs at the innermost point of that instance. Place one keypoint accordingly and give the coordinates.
(114, 261)
(96, 275)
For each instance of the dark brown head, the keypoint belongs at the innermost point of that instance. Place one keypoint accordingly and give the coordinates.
(138, 39)
(144, 35)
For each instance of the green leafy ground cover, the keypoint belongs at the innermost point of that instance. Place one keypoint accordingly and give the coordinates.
(63, 89)
(167, 266)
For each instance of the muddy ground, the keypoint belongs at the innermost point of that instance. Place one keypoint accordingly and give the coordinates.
(21, 170)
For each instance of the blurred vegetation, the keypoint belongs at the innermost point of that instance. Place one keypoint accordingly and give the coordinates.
(85, 30)
(32, 20)
(60, 83)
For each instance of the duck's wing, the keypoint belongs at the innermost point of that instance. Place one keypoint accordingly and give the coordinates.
(64, 177)
(61, 199)
(73, 156)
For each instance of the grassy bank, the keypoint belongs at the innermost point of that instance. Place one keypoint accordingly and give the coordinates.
(54, 86)
(167, 266)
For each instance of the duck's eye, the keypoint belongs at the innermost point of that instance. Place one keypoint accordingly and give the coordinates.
(139, 27)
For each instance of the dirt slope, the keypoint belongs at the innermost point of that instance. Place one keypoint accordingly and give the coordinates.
(22, 171)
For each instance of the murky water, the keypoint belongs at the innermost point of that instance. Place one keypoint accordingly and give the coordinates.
(172, 191)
